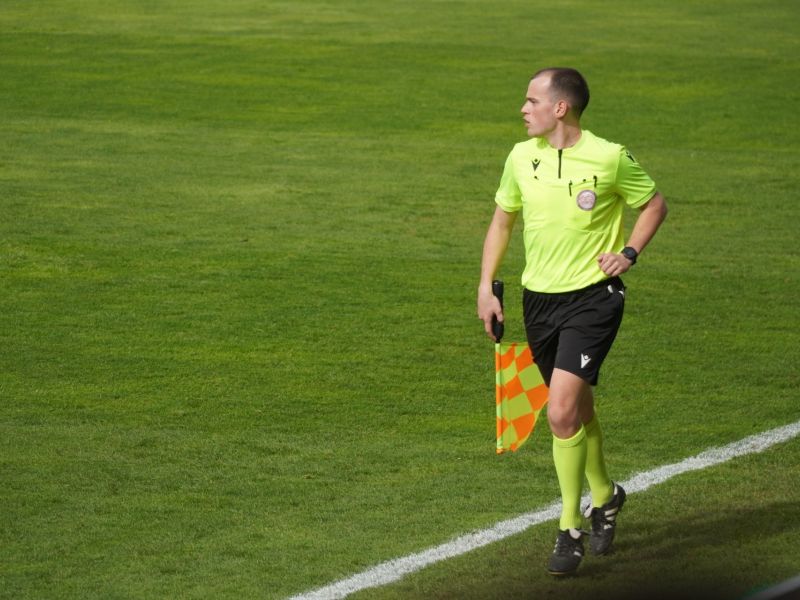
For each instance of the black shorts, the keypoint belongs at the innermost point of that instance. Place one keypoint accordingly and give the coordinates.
(574, 331)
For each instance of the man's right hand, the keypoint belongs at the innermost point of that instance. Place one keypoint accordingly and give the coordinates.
(488, 309)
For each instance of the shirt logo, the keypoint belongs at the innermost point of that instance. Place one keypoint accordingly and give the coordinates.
(586, 200)
(535, 162)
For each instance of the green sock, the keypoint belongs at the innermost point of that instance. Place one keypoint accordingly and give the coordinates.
(569, 457)
(599, 481)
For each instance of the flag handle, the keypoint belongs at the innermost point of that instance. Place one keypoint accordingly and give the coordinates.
(498, 400)
(497, 332)
(497, 326)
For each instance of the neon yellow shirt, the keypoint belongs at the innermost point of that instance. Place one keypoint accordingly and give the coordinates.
(571, 202)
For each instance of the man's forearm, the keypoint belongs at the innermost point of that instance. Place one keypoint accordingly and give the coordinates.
(494, 249)
(648, 222)
(495, 245)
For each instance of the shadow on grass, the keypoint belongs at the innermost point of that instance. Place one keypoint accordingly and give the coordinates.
(689, 553)
(698, 554)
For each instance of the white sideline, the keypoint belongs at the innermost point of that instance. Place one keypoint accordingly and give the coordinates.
(784, 590)
(394, 570)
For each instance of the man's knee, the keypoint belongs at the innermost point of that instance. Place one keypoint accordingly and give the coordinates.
(566, 394)
(563, 418)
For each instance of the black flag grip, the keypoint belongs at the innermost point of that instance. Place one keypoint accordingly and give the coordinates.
(497, 326)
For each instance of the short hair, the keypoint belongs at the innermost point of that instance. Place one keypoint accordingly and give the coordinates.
(570, 83)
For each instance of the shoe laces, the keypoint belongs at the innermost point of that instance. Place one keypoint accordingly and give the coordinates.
(566, 544)
(602, 517)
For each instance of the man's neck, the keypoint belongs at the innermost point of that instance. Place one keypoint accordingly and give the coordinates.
(565, 135)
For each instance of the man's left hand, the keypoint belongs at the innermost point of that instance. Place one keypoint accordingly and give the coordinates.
(613, 264)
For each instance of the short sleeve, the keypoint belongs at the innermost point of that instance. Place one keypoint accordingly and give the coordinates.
(633, 184)
(508, 196)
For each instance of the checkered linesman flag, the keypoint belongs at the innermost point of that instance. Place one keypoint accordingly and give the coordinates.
(520, 391)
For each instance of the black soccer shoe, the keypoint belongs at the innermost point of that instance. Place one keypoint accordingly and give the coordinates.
(604, 522)
(567, 554)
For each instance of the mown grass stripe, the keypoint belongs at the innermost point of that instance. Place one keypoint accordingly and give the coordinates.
(394, 570)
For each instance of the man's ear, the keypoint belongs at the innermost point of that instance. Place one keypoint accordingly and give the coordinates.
(562, 108)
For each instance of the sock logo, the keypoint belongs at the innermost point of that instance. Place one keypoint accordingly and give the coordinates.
(585, 359)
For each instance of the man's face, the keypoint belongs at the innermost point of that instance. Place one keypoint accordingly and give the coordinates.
(539, 110)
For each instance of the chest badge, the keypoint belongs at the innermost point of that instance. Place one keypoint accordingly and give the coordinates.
(586, 200)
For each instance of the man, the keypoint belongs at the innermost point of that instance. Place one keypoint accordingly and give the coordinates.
(571, 187)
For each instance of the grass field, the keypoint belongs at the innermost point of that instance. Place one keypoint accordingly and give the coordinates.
(239, 251)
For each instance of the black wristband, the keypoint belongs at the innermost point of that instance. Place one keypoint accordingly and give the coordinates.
(630, 254)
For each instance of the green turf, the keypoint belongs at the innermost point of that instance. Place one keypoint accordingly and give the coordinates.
(238, 258)
(707, 534)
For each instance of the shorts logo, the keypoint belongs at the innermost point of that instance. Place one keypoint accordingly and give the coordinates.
(585, 359)
(586, 200)
(611, 291)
